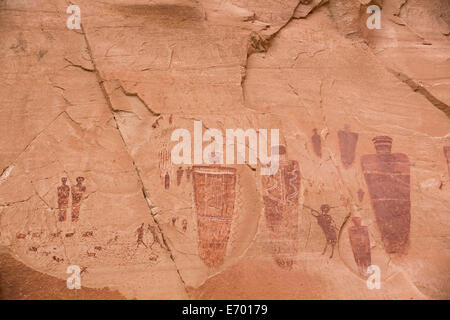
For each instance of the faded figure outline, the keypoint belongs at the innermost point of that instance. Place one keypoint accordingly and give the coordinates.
(180, 172)
(347, 145)
(360, 242)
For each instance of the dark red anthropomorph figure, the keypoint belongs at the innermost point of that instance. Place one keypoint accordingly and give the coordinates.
(63, 199)
(328, 227)
(77, 196)
(388, 179)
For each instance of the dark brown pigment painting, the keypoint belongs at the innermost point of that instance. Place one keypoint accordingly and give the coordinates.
(387, 177)
(214, 196)
(360, 243)
(280, 195)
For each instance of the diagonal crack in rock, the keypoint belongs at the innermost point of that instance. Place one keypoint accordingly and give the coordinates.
(146, 198)
(420, 89)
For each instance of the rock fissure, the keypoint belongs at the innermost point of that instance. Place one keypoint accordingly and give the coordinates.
(420, 89)
(146, 198)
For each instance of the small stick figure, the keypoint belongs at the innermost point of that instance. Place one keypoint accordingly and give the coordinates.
(326, 222)
(140, 236)
(152, 229)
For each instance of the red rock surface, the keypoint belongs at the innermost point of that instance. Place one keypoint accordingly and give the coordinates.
(102, 102)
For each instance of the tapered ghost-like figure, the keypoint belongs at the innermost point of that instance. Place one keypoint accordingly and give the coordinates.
(347, 146)
(317, 143)
(387, 177)
(360, 243)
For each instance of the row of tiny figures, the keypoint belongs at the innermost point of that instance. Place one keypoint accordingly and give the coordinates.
(180, 174)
